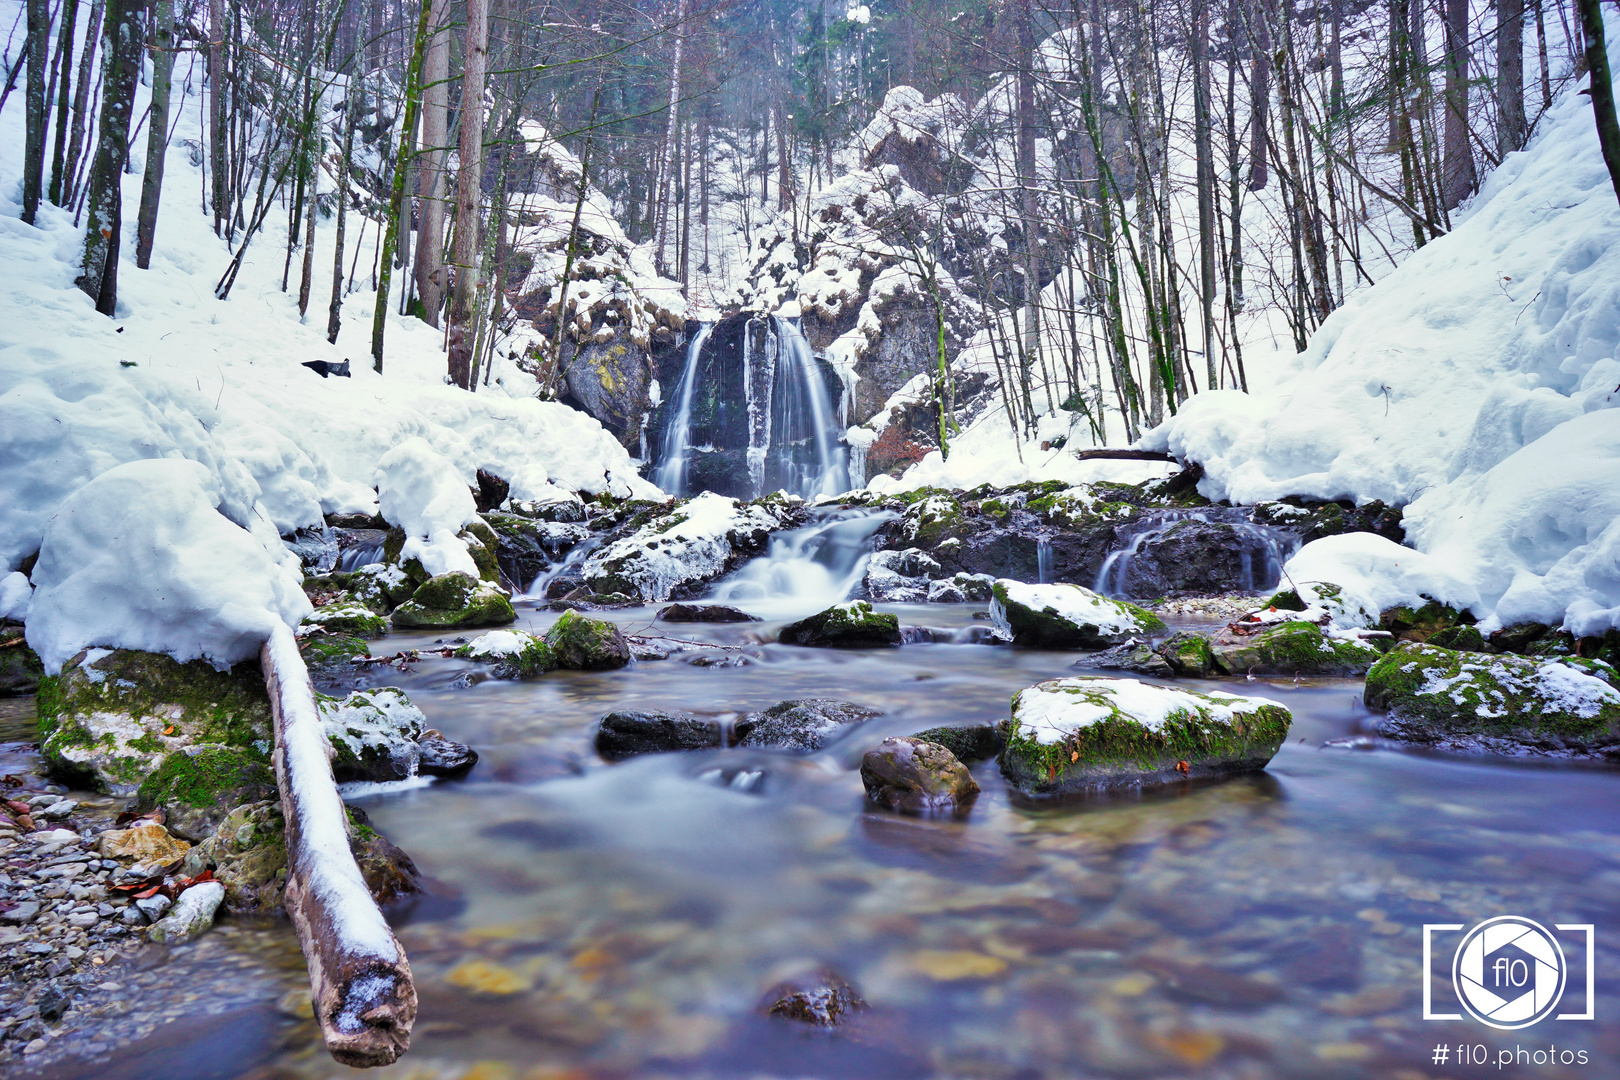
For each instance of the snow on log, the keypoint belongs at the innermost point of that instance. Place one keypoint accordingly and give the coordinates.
(1106, 454)
(365, 1001)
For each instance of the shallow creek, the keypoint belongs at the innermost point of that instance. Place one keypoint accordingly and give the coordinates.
(625, 920)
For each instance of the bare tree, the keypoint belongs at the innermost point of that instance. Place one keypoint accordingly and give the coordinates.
(39, 57)
(1602, 89)
(157, 135)
(1457, 156)
(104, 204)
(469, 194)
(1510, 124)
(430, 164)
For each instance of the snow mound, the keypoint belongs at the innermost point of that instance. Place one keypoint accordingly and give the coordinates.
(1052, 712)
(1375, 574)
(15, 595)
(146, 557)
(1475, 385)
(422, 493)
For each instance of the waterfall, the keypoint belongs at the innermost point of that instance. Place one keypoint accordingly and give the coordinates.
(671, 475)
(789, 439)
(1115, 577)
(808, 568)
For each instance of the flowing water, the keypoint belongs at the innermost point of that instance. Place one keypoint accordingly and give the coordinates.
(625, 921)
(671, 473)
(1274, 546)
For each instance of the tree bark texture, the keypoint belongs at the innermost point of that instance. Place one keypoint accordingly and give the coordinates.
(1510, 124)
(1602, 89)
(469, 191)
(1457, 157)
(104, 204)
(157, 135)
(39, 58)
(430, 165)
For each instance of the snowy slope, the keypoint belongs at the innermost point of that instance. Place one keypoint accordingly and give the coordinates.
(1476, 383)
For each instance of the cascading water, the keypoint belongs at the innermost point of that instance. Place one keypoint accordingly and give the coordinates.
(784, 435)
(1123, 576)
(808, 568)
(671, 475)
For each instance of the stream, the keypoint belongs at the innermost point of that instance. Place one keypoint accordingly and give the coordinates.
(595, 920)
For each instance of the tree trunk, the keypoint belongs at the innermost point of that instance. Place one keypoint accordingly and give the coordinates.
(1204, 152)
(105, 219)
(385, 269)
(666, 170)
(1541, 54)
(1259, 93)
(64, 50)
(1457, 157)
(216, 111)
(81, 104)
(157, 136)
(1602, 89)
(1510, 125)
(430, 165)
(351, 105)
(1030, 345)
(39, 58)
(469, 192)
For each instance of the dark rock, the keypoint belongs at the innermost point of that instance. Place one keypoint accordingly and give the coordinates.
(970, 742)
(705, 613)
(1194, 557)
(1519, 637)
(628, 733)
(1459, 638)
(20, 667)
(389, 872)
(441, 757)
(1065, 616)
(807, 724)
(53, 1003)
(915, 776)
(821, 998)
(579, 643)
(610, 381)
(492, 491)
(916, 635)
(1313, 519)
(855, 625)
(1189, 655)
(1423, 623)
(198, 785)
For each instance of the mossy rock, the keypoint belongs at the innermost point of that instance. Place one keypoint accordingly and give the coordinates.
(349, 617)
(579, 643)
(329, 649)
(514, 654)
(1189, 655)
(198, 786)
(1473, 703)
(1065, 616)
(1421, 623)
(934, 517)
(1089, 733)
(1459, 638)
(1292, 648)
(452, 601)
(112, 716)
(483, 545)
(973, 742)
(373, 734)
(381, 587)
(855, 624)
(20, 667)
(247, 852)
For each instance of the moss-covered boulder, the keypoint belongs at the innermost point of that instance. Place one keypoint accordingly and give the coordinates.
(452, 601)
(580, 643)
(1089, 733)
(1291, 648)
(484, 546)
(112, 716)
(1422, 623)
(198, 786)
(513, 653)
(373, 734)
(1189, 655)
(1065, 616)
(970, 742)
(347, 617)
(855, 624)
(20, 669)
(932, 517)
(915, 776)
(381, 587)
(247, 852)
(1474, 703)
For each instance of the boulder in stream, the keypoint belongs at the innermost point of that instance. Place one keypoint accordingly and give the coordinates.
(1291, 647)
(440, 756)
(854, 624)
(915, 776)
(692, 544)
(191, 915)
(807, 724)
(820, 998)
(452, 601)
(373, 733)
(344, 617)
(1089, 733)
(198, 785)
(1065, 616)
(514, 654)
(1545, 707)
(969, 742)
(580, 643)
(705, 613)
(628, 733)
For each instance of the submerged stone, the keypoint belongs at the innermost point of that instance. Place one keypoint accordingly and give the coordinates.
(630, 732)
(822, 998)
(1470, 702)
(579, 643)
(852, 625)
(454, 600)
(915, 776)
(440, 756)
(1089, 733)
(1065, 616)
(191, 915)
(806, 725)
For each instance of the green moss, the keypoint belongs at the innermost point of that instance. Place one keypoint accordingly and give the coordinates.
(1462, 638)
(347, 617)
(535, 658)
(332, 649)
(454, 600)
(1286, 600)
(359, 829)
(1293, 648)
(1189, 655)
(1420, 624)
(1047, 629)
(200, 776)
(579, 643)
(147, 742)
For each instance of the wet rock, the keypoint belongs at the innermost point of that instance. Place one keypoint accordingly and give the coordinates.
(146, 843)
(20, 667)
(1291, 648)
(53, 1003)
(705, 613)
(347, 617)
(373, 733)
(439, 756)
(111, 716)
(1065, 616)
(1313, 519)
(1193, 557)
(381, 587)
(629, 733)
(1089, 733)
(1189, 655)
(1459, 639)
(196, 787)
(806, 725)
(578, 643)
(969, 742)
(154, 907)
(694, 543)
(191, 915)
(1469, 702)
(854, 625)
(514, 653)
(961, 589)
(915, 776)
(1422, 623)
(1131, 655)
(388, 872)
(454, 600)
(821, 998)
(248, 856)
(526, 548)
(899, 577)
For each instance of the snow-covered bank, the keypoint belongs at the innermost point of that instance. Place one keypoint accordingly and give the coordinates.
(1477, 384)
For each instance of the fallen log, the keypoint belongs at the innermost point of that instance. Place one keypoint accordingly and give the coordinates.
(360, 980)
(1105, 454)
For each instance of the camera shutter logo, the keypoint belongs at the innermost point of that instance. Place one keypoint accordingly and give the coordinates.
(1509, 972)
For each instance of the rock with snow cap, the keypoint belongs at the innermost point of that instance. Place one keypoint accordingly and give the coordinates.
(1065, 616)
